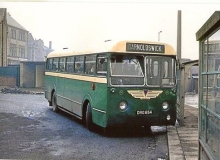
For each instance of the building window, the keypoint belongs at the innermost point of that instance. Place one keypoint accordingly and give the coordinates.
(13, 33)
(22, 51)
(13, 50)
(21, 36)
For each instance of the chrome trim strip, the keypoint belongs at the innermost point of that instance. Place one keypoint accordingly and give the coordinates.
(99, 110)
(142, 94)
(69, 99)
(73, 114)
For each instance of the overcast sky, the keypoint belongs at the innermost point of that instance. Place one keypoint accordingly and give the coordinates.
(86, 24)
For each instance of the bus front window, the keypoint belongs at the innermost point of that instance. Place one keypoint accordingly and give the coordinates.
(127, 70)
(160, 71)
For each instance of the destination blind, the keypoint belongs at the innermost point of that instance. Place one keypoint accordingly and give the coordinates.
(143, 47)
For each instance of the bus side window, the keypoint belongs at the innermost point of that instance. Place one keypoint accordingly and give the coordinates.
(70, 64)
(102, 65)
(90, 64)
(78, 68)
(49, 64)
(79, 64)
(62, 65)
(55, 64)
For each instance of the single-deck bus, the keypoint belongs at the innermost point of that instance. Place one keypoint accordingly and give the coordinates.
(129, 83)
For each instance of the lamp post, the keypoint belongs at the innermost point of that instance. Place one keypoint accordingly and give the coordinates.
(159, 35)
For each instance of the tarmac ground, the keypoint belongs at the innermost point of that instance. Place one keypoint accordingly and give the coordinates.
(182, 140)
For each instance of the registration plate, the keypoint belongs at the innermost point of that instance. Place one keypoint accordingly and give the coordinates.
(147, 112)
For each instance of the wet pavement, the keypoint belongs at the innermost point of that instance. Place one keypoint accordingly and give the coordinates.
(30, 130)
(183, 140)
(191, 100)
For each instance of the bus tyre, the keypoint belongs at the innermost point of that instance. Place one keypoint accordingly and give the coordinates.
(54, 103)
(89, 123)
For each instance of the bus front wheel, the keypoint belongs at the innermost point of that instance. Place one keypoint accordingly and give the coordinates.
(54, 103)
(89, 123)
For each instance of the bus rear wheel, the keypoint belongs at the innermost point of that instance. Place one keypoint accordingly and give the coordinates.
(54, 103)
(89, 123)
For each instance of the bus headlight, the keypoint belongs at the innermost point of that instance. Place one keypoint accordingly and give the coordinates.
(165, 106)
(123, 105)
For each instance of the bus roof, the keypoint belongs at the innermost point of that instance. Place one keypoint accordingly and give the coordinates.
(139, 47)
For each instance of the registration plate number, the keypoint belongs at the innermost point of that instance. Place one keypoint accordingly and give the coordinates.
(147, 112)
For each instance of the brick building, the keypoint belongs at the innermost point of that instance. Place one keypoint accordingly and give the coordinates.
(17, 42)
(21, 55)
(22, 46)
(37, 51)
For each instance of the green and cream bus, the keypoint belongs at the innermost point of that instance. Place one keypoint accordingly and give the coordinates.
(129, 83)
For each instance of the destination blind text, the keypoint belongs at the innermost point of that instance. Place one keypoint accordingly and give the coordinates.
(141, 47)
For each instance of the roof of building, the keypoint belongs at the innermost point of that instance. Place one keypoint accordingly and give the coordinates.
(194, 62)
(209, 26)
(12, 22)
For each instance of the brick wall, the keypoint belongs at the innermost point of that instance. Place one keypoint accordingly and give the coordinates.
(10, 76)
(8, 81)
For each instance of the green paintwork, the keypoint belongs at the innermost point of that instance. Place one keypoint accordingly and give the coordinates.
(77, 92)
(73, 95)
(129, 117)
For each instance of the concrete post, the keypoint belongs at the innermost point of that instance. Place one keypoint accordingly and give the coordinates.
(179, 36)
(181, 67)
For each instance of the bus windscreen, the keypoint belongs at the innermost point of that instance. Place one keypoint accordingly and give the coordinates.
(127, 70)
(130, 70)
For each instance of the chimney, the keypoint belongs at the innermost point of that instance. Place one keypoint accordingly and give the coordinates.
(50, 44)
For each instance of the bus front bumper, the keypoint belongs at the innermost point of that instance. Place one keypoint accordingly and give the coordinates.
(141, 120)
